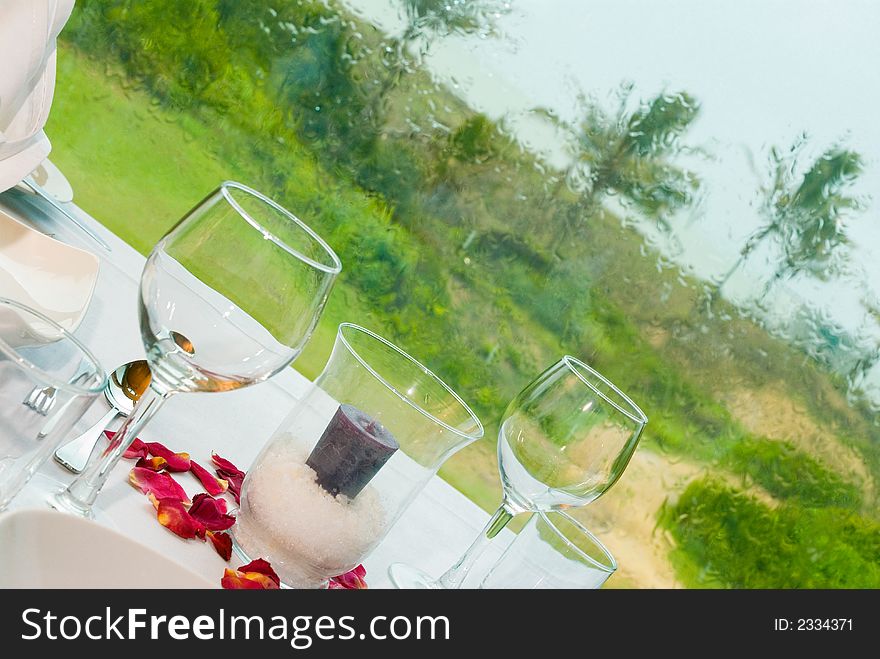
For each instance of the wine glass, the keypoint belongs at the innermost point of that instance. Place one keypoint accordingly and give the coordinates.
(553, 551)
(564, 440)
(228, 298)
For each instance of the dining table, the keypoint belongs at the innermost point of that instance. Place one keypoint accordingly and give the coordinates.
(432, 533)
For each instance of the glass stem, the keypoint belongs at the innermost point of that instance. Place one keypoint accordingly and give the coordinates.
(455, 576)
(82, 492)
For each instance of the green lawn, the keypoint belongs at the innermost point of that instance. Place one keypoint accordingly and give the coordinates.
(138, 166)
(138, 169)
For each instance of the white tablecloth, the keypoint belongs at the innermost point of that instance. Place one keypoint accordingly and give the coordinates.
(435, 530)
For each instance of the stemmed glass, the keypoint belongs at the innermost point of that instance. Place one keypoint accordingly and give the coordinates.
(564, 440)
(228, 298)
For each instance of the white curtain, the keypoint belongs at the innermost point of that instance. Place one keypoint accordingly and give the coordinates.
(28, 30)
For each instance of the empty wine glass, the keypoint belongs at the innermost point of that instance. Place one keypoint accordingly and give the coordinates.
(564, 440)
(553, 551)
(228, 298)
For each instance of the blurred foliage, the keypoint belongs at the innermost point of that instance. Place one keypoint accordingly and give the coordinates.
(789, 474)
(475, 256)
(729, 539)
(628, 153)
(805, 213)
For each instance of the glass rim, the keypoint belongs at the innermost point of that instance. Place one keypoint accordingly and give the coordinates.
(477, 434)
(612, 562)
(334, 269)
(48, 378)
(636, 414)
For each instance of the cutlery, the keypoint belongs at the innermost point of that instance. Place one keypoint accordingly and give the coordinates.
(124, 389)
(42, 399)
(58, 414)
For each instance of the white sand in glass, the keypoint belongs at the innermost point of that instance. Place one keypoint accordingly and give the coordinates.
(306, 533)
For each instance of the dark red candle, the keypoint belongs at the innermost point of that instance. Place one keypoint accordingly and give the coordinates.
(351, 451)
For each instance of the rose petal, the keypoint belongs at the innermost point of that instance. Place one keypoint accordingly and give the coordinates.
(351, 580)
(136, 451)
(173, 516)
(234, 482)
(222, 544)
(254, 575)
(225, 464)
(233, 580)
(231, 474)
(178, 462)
(161, 484)
(153, 464)
(263, 567)
(213, 485)
(207, 511)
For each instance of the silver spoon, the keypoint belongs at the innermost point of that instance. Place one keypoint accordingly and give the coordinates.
(124, 389)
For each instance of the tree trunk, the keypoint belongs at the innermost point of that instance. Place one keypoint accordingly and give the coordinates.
(747, 249)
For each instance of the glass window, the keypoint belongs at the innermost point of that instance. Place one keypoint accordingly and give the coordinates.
(679, 193)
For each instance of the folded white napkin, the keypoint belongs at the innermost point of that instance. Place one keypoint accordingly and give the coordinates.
(28, 30)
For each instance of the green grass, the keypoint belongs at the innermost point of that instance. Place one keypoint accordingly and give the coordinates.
(486, 317)
(728, 539)
(136, 168)
(789, 474)
(139, 168)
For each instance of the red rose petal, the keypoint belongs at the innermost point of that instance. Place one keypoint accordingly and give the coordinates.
(234, 482)
(263, 567)
(153, 464)
(160, 484)
(173, 516)
(222, 544)
(233, 580)
(351, 580)
(221, 505)
(136, 451)
(230, 473)
(255, 575)
(178, 462)
(213, 485)
(207, 511)
(225, 464)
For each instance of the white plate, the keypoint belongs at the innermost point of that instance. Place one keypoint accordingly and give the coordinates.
(48, 549)
(46, 275)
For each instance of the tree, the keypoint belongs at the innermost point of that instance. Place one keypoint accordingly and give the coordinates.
(426, 21)
(628, 154)
(870, 356)
(805, 217)
(429, 19)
